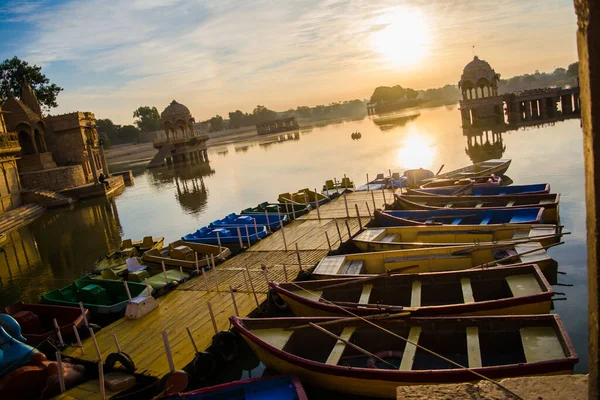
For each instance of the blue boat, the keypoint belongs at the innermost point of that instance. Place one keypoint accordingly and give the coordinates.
(234, 220)
(273, 388)
(471, 216)
(227, 235)
(538, 188)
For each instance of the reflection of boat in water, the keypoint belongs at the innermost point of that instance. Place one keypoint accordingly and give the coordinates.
(280, 138)
(395, 120)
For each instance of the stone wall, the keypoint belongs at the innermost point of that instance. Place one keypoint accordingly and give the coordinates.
(10, 191)
(54, 179)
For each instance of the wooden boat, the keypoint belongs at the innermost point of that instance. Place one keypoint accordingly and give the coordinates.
(244, 220)
(412, 237)
(468, 203)
(291, 210)
(539, 188)
(227, 236)
(3, 240)
(183, 254)
(481, 181)
(509, 290)
(128, 249)
(432, 259)
(474, 216)
(494, 346)
(155, 276)
(99, 296)
(36, 320)
(283, 387)
(486, 168)
(303, 196)
(331, 188)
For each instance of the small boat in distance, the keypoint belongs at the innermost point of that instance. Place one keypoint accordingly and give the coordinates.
(36, 320)
(520, 290)
(496, 347)
(473, 216)
(469, 203)
(539, 188)
(413, 237)
(99, 296)
(303, 196)
(433, 259)
(332, 187)
(291, 210)
(227, 236)
(482, 169)
(283, 387)
(129, 248)
(183, 254)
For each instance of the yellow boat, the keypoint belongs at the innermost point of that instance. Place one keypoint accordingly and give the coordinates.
(482, 169)
(128, 248)
(303, 196)
(432, 259)
(496, 347)
(183, 254)
(519, 290)
(413, 237)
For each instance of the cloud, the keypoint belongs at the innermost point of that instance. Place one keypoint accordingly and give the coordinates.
(235, 53)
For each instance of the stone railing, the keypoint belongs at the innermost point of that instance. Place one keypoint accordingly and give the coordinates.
(185, 140)
(9, 143)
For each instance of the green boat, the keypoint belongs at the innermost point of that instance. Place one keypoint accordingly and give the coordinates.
(99, 296)
(155, 278)
(291, 210)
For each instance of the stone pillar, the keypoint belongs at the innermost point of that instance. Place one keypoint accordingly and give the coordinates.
(566, 104)
(92, 163)
(103, 161)
(527, 110)
(544, 108)
(169, 161)
(206, 155)
(588, 34)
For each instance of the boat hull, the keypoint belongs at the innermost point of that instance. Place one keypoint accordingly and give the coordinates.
(383, 382)
(482, 190)
(486, 168)
(203, 250)
(459, 217)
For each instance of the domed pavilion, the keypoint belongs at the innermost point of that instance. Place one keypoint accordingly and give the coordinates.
(478, 80)
(177, 121)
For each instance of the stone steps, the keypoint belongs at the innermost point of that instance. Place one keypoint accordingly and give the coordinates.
(20, 215)
(47, 198)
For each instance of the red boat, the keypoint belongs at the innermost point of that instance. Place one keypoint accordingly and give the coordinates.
(37, 320)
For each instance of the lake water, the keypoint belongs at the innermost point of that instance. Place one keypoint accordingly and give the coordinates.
(62, 245)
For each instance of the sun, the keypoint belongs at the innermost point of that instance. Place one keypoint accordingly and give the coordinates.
(404, 37)
(416, 151)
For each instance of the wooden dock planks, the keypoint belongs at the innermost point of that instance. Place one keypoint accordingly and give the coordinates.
(187, 304)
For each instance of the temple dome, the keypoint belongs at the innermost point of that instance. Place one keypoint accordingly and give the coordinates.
(175, 111)
(477, 70)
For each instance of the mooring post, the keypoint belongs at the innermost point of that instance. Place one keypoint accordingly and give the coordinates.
(237, 314)
(358, 216)
(328, 242)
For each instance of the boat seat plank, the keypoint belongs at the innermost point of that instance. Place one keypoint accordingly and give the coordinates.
(389, 238)
(540, 343)
(478, 205)
(415, 297)
(313, 295)
(456, 221)
(531, 257)
(330, 265)
(354, 267)
(365, 294)
(467, 290)
(522, 234)
(510, 203)
(523, 285)
(338, 349)
(542, 231)
(276, 337)
(473, 349)
(485, 221)
(546, 201)
(370, 235)
(408, 357)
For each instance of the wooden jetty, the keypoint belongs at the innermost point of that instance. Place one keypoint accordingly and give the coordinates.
(186, 306)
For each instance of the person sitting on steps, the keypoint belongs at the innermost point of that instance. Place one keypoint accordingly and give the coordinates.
(102, 179)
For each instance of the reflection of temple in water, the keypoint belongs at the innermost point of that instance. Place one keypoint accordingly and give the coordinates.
(191, 193)
(485, 112)
(57, 248)
(285, 137)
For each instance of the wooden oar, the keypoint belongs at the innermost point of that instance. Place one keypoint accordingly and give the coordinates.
(371, 305)
(504, 243)
(355, 347)
(376, 317)
(439, 170)
(444, 217)
(464, 188)
(490, 263)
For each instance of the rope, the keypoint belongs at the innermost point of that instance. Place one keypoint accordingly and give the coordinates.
(516, 396)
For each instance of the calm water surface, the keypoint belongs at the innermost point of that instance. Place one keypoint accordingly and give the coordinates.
(62, 245)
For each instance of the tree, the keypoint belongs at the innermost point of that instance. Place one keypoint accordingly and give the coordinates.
(128, 134)
(216, 124)
(236, 119)
(106, 126)
(262, 113)
(104, 137)
(148, 119)
(14, 72)
(573, 69)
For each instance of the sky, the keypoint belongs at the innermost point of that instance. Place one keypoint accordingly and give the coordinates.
(218, 56)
